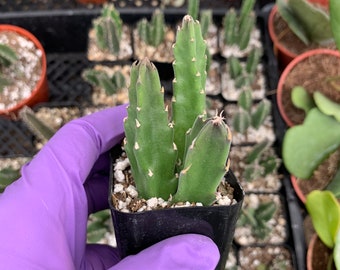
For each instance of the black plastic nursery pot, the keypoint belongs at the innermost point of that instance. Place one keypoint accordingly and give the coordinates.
(137, 231)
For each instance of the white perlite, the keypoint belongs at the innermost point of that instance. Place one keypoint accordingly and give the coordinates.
(23, 74)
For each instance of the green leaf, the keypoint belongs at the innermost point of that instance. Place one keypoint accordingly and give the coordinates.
(265, 211)
(301, 99)
(306, 146)
(314, 20)
(324, 210)
(245, 100)
(326, 105)
(8, 176)
(261, 112)
(241, 121)
(334, 185)
(287, 14)
(257, 151)
(334, 7)
(7, 55)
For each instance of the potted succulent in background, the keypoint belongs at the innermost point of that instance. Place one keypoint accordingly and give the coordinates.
(182, 157)
(109, 84)
(153, 39)
(311, 150)
(315, 70)
(22, 70)
(239, 33)
(251, 122)
(238, 75)
(324, 248)
(296, 26)
(109, 37)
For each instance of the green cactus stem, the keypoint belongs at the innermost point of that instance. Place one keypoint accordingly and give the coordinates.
(7, 176)
(238, 27)
(108, 28)
(334, 7)
(100, 78)
(7, 55)
(310, 23)
(248, 116)
(258, 218)
(206, 20)
(152, 144)
(259, 163)
(193, 8)
(149, 136)
(326, 105)
(190, 74)
(190, 181)
(152, 33)
(39, 128)
(244, 73)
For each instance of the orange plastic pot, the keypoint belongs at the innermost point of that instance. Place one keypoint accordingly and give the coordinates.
(40, 92)
(318, 254)
(297, 189)
(284, 55)
(323, 3)
(288, 70)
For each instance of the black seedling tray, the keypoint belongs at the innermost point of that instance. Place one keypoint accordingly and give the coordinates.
(63, 32)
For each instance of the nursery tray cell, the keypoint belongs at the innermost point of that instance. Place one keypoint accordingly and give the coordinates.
(15, 139)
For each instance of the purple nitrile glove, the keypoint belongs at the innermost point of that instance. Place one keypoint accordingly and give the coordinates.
(43, 215)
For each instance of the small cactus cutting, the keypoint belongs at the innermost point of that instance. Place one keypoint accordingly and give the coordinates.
(183, 156)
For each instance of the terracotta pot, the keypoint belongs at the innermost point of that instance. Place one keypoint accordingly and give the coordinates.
(284, 55)
(297, 189)
(323, 3)
(318, 254)
(281, 96)
(40, 92)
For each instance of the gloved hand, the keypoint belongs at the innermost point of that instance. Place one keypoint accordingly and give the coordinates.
(43, 215)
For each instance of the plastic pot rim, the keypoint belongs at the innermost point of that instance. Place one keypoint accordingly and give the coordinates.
(287, 71)
(40, 91)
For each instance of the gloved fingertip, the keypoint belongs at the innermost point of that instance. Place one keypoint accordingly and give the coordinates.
(185, 252)
(100, 257)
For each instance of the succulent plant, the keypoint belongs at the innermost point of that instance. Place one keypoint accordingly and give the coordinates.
(238, 26)
(152, 32)
(100, 78)
(246, 115)
(309, 22)
(244, 74)
(193, 8)
(324, 209)
(7, 176)
(7, 58)
(258, 218)
(38, 127)
(108, 29)
(334, 7)
(7, 55)
(98, 225)
(167, 152)
(258, 164)
(303, 153)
